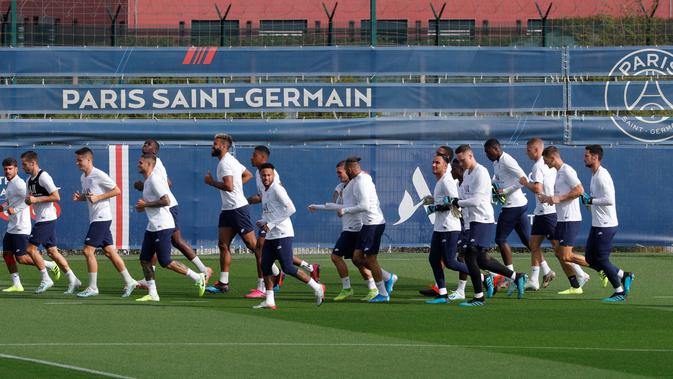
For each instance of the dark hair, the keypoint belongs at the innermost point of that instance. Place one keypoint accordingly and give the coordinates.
(492, 142)
(83, 151)
(444, 158)
(352, 159)
(341, 163)
(449, 152)
(455, 161)
(463, 149)
(263, 149)
(9, 162)
(266, 165)
(149, 157)
(226, 138)
(595, 150)
(550, 150)
(153, 142)
(29, 155)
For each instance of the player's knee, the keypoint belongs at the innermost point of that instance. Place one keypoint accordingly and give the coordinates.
(224, 248)
(335, 258)
(501, 242)
(289, 268)
(24, 260)
(9, 259)
(165, 261)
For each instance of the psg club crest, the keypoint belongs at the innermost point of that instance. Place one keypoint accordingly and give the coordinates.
(637, 85)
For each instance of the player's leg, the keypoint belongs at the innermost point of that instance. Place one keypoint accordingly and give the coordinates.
(435, 259)
(10, 249)
(225, 236)
(283, 248)
(343, 249)
(147, 252)
(185, 248)
(475, 275)
(261, 281)
(461, 247)
(268, 257)
(370, 242)
(506, 222)
(92, 268)
(163, 248)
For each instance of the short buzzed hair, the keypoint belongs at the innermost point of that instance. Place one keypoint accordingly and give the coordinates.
(9, 161)
(463, 149)
(535, 141)
(492, 142)
(595, 150)
(352, 159)
(263, 149)
(550, 151)
(153, 142)
(341, 163)
(266, 165)
(30, 156)
(84, 151)
(448, 150)
(226, 138)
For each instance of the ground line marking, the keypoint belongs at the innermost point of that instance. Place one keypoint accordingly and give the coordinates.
(309, 344)
(61, 365)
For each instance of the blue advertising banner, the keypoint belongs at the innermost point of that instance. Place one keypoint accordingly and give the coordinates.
(527, 97)
(620, 61)
(622, 129)
(634, 95)
(304, 61)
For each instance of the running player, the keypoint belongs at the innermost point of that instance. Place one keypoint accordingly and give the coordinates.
(277, 209)
(42, 194)
(97, 190)
(567, 190)
(15, 240)
(602, 203)
(157, 240)
(235, 215)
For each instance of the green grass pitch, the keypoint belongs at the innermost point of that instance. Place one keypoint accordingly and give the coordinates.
(184, 336)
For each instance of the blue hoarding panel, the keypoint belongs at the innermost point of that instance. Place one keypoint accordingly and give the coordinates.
(620, 61)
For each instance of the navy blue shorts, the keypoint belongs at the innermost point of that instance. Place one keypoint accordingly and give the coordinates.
(261, 233)
(280, 250)
(158, 243)
(174, 213)
(463, 238)
(237, 219)
(480, 234)
(511, 219)
(99, 234)
(43, 233)
(369, 239)
(15, 244)
(345, 245)
(544, 225)
(599, 242)
(566, 232)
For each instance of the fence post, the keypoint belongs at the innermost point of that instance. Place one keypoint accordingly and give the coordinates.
(372, 22)
(113, 26)
(222, 18)
(544, 21)
(438, 17)
(330, 23)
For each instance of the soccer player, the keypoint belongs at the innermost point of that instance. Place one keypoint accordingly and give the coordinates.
(477, 198)
(152, 147)
(351, 224)
(541, 181)
(97, 190)
(567, 190)
(41, 194)
(157, 240)
(15, 240)
(276, 222)
(367, 205)
(235, 215)
(514, 213)
(260, 155)
(601, 201)
(446, 232)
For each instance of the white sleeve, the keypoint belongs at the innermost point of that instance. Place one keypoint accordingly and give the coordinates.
(361, 196)
(160, 187)
(47, 182)
(573, 180)
(23, 189)
(512, 166)
(225, 169)
(483, 184)
(608, 192)
(537, 175)
(106, 182)
(288, 209)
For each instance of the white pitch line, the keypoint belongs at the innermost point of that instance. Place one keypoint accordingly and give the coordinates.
(69, 367)
(311, 344)
(64, 303)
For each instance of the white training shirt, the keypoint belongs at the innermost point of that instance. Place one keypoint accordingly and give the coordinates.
(161, 170)
(506, 174)
(603, 204)
(19, 222)
(98, 183)
(159, 218)
(339, 189)
(44, 211)
(350, 222)
(464, 211)
(230, 166)
(477, 185)
(445, 221)
(258, 181)
(366, 201)
(277, 207)
(566, 180)
(541, 173)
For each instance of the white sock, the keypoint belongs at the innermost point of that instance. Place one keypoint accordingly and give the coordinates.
(386, 275)
(314, 285)
(578, 270)
(197, 262)
(49, 264)
(93, 280)
(442, 291)
(346, 282)
(534, 274)
(306, 266)
(513, 275)
(270, 300)
(16, 281)
(71, 276)
(619, 289)
(545, 268)
(461, 286)
(511, 267)
(127, 277)
(192, 275)
(620, 273)
(479, 295)
(482, 277)
(45, 276)
(260, 285)
(152, 288)
(154, 268)
(382, 288)
(275, 270)
(224, 277)
(371, 284)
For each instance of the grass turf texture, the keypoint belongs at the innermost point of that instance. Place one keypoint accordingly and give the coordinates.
(186, 336)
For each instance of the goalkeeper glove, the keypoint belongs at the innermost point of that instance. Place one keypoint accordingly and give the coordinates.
(431, 209)
(586, 199)
(496, 196)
